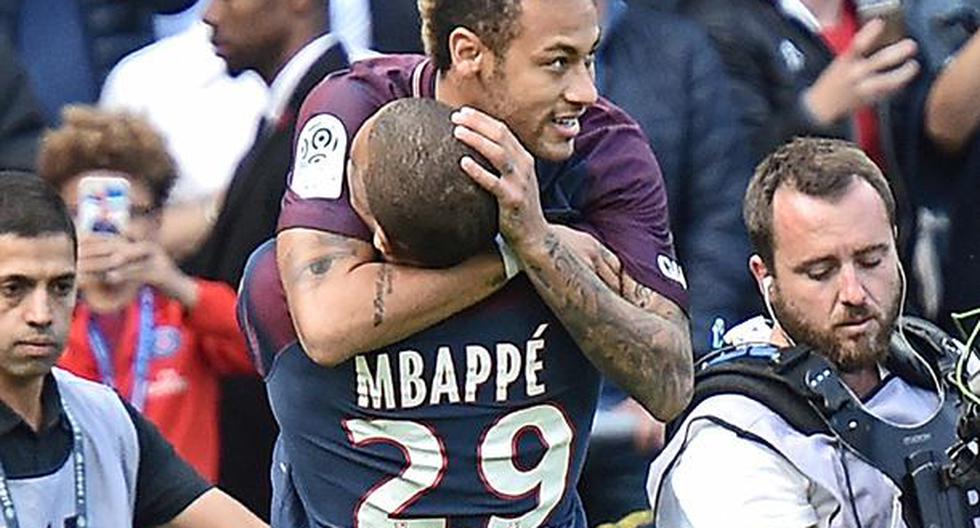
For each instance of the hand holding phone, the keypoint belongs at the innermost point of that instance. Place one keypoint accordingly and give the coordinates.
(891, 13)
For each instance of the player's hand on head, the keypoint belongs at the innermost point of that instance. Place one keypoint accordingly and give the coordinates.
(511, 179)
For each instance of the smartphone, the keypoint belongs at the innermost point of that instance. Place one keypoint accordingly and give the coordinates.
(103, 205)
(891, 13)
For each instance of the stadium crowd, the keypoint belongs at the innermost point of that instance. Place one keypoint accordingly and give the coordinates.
(509, 263)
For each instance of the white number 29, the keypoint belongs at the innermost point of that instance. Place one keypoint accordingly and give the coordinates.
(426, 457)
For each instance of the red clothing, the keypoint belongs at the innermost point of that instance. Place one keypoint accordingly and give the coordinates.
(183, 381)
(838, 39)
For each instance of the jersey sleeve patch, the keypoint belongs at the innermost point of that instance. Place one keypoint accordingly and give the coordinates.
(321, 151)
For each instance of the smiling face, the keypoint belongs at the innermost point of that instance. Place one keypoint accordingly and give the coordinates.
(836, 283)
(544, 81)
(37, 296)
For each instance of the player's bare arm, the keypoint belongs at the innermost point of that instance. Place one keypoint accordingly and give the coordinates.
(639, 339)
(343, 302)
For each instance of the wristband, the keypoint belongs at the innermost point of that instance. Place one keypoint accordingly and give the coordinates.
(512, 266)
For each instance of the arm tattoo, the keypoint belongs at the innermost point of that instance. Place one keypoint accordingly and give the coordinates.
(382, 288)
(315, 256)
(639, 340)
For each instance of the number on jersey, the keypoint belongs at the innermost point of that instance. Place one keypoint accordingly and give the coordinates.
(425, 454)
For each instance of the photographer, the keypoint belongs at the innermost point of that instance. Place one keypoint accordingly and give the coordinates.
(822, 221)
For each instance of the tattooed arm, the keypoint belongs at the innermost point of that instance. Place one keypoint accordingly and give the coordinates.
(634, 336)
(343, 303)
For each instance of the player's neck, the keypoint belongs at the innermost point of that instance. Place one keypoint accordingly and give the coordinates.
(23, 396)
(452, 90)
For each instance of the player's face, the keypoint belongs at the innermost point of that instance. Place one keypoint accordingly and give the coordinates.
(248, 34)
(37, 296)
(545, 81)
(837, 285)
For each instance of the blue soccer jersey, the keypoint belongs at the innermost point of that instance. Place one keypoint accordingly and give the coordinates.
(481, 420)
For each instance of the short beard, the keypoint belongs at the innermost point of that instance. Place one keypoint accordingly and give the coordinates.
(848, 356)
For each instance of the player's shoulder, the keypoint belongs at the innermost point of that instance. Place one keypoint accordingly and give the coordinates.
(611, 140)
(605, 120)
(374, 79)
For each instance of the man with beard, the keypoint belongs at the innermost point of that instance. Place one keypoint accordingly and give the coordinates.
(822, 221)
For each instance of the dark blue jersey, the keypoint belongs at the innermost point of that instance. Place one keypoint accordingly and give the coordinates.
(480, 419)
(483, 419)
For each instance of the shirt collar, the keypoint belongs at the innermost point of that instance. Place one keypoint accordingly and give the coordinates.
(51, 409)
(796, 9)
(292, 73)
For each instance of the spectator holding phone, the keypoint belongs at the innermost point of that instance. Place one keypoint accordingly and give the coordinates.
(161, 338)
(817, 68)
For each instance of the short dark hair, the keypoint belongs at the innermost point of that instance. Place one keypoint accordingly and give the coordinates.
(818, 167)
(30, 208)
(119, 141)
(495, 22)
(431, 211)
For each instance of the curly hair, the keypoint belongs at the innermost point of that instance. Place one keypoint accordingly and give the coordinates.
(94, 139)
(495, 22)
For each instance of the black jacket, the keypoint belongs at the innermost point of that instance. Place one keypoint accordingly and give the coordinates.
(771, 59)
(251, 207)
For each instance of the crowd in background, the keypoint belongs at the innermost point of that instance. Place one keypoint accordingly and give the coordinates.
(715, 84)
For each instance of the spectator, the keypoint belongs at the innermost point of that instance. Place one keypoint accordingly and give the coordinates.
(693, 129)
(208, 118)
(161, 338)
(58, 428)
(808, 67)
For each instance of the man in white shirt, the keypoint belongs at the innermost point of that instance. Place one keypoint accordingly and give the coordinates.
(822, 221)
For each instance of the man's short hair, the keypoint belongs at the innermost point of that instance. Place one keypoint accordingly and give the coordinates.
(31, 208)
(93, 139)
(818, 167)
(430, 210)
(495, 22)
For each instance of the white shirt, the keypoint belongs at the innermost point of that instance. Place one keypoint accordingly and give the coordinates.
(208, 118)
(722, 479)
(292, 73)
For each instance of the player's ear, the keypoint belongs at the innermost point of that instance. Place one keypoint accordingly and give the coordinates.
(381, 243)
(467, 51)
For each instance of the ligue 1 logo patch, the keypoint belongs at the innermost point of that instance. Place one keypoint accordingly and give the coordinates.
(166, 341)
(321, 152)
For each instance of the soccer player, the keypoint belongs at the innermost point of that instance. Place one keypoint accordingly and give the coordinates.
(424, 397)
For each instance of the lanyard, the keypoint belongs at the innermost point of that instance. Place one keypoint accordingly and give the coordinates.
(78, 463)
(141, 360)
